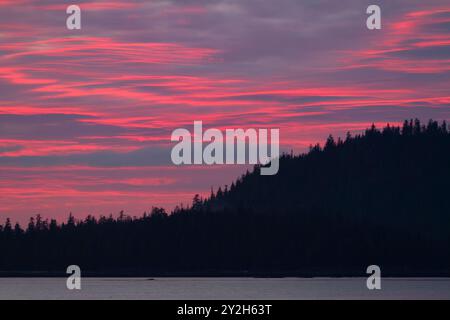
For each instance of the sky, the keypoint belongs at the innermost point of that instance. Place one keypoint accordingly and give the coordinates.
(86, 115)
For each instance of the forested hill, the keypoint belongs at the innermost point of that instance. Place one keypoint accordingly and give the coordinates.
(381, 197)
(396, 174)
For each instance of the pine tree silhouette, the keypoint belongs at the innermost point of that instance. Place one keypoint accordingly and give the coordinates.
(379, 196)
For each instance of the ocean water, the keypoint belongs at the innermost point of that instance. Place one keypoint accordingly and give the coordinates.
(224, 288)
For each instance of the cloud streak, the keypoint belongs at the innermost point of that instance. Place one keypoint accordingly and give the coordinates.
(86, 116)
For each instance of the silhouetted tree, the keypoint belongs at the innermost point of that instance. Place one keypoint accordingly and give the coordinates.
(378, 196)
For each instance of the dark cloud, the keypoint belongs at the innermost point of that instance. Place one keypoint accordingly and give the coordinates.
(63, 126)
(432, 52)
(4, 149)
(151, 156)
(439, 27)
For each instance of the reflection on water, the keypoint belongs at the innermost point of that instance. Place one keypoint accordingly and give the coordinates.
(224, 288)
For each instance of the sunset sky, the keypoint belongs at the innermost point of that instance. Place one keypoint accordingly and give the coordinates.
(86, 115)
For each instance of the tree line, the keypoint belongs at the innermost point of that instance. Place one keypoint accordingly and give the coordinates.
(380, 197)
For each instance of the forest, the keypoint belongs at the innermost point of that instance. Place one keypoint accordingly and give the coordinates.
(380, 197)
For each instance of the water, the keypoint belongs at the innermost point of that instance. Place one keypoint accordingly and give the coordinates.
(224, 288)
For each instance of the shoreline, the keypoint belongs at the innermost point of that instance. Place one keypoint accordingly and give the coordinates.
(217, 274)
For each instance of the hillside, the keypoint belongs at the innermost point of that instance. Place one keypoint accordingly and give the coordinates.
(376, 198)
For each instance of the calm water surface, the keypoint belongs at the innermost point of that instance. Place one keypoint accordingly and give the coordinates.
(224, 288)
